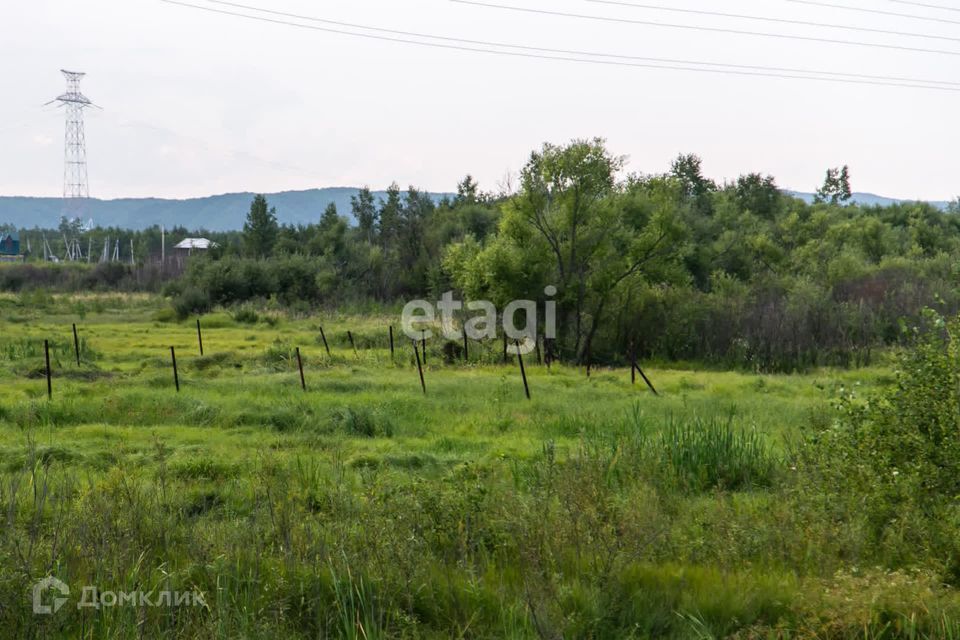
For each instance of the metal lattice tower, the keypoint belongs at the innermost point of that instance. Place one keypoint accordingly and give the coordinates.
(76, 189)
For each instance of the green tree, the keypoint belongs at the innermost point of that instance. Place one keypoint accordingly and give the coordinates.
(573, 226)
(391, 212)
(332, 233)
(953, 207)
(260, 231)
(688, 171)
(292, 239)
(836, 187)
(364, 209)
(415, 217)
(467, 191)
(70, 227)
(758, 195)
(330, 218)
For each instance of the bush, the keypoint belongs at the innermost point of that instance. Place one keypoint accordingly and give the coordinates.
(296, 280)
(892, 459)
(172, 289)
(246, 315)
(191, 302)
(292, 280)
(907, 434)
(107, 276)
(20, 277)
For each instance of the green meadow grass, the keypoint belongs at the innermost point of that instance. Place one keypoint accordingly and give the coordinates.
(364, 508)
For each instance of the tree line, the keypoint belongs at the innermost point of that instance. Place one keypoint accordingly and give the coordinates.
(667, 266)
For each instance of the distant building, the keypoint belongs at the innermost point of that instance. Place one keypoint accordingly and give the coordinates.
(10, 246)
(189, 245)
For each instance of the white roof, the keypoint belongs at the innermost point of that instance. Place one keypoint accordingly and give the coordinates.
(196, 243)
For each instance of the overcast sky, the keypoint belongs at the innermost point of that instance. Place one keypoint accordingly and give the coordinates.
(196, 103)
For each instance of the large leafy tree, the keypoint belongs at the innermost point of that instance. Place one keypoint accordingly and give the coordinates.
(574, 226)
(687, 170)
(260, 231)
(836, 187)
(468, 191)
(391, 212)
(364, 209)
(331, 233)
(758, 195)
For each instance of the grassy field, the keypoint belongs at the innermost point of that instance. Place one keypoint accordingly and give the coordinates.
(363, 508)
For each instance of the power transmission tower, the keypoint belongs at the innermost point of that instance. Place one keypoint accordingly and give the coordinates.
(76, 189)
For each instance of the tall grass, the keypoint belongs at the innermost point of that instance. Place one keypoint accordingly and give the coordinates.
(362, 509)
(358, 615)
(696, 453)
(707, 453)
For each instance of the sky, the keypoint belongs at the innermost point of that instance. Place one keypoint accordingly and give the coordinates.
(197, 103)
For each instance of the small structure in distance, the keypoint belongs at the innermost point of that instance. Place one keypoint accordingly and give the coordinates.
(188, 245)
(10, 247)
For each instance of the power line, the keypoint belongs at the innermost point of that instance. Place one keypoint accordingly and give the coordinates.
(928, 6)
(803, 23)
(911, 16)
(906, 83)
(688, 27)
(573, 52)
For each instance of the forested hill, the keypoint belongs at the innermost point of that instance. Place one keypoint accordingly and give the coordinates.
(226, 212)
(215, 213)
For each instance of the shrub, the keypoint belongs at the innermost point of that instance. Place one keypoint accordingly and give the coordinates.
(907, 434)
(229, 280)
(21, 277)
(106, 275)
(166, 314)
(191, 302)
(172, 289)
(295, 278)
(892, 459)
(112, 276)
(246, 315)
(290, 279)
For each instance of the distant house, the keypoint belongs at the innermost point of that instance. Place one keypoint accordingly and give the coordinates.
(9, 244)
(189, 245)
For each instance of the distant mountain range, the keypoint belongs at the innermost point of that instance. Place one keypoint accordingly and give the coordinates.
(867, 199)
(214, 213)
(227, 212)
